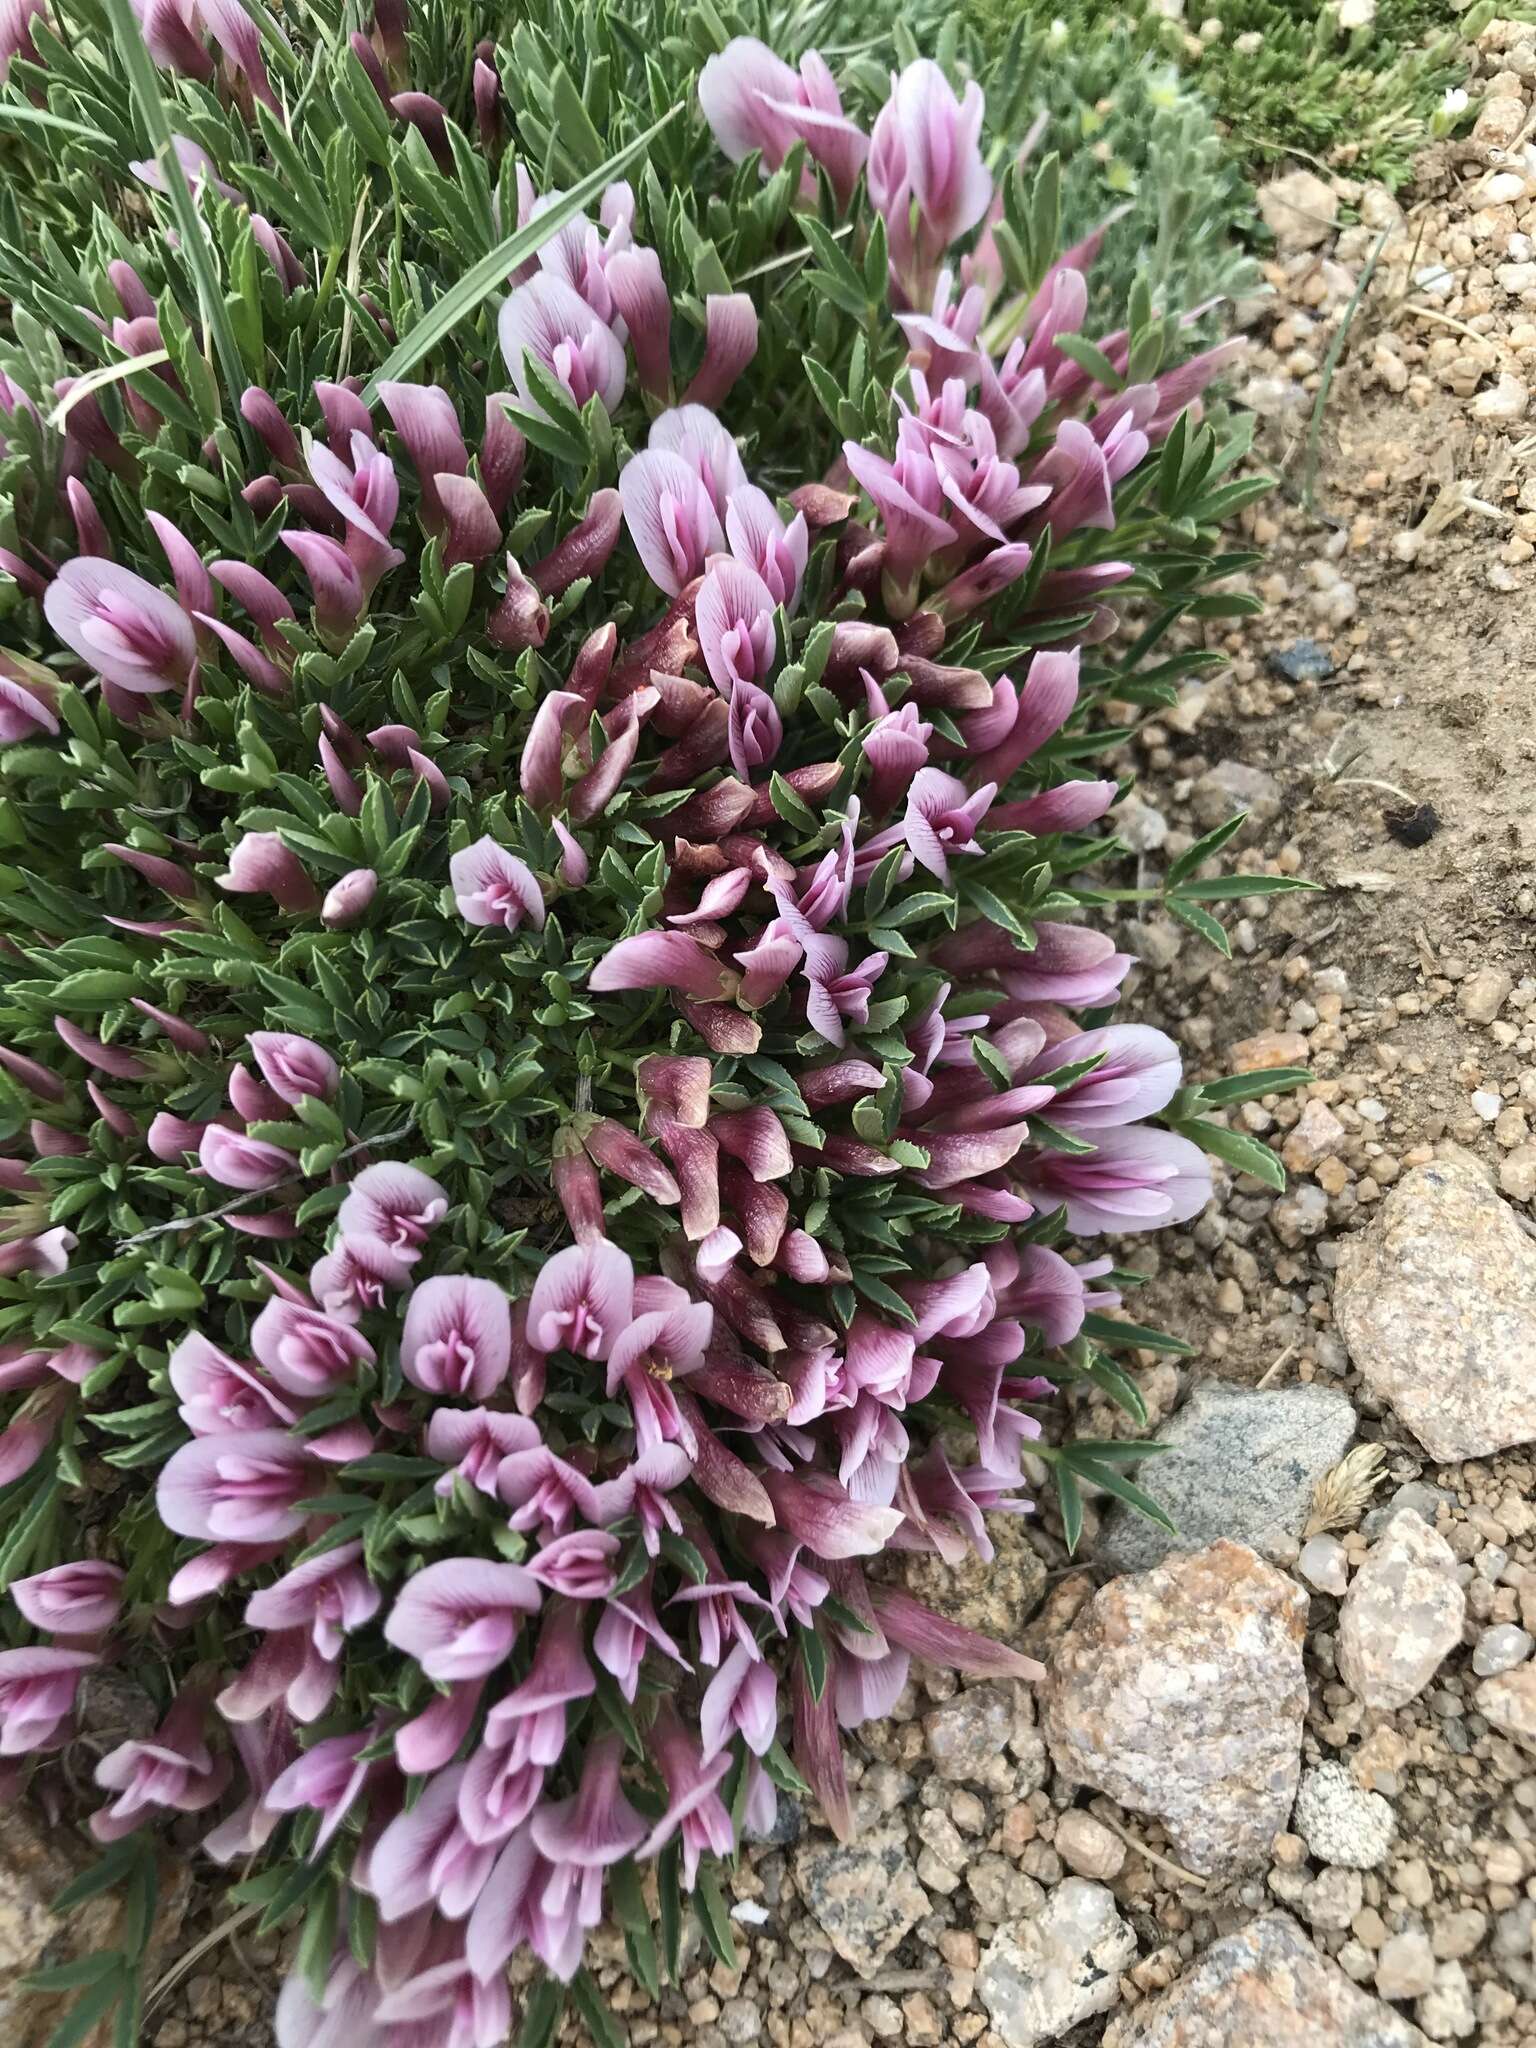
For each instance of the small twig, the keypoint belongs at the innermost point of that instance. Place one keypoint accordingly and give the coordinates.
(1372, 782)
(355, 248)
(229, 1208)
(98, 380)
(1445, 320)
(1285, 1354)
(1163, 1862)
(790, 256)
(194, 1955)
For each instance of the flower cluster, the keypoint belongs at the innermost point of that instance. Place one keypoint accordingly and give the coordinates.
(564, 1061)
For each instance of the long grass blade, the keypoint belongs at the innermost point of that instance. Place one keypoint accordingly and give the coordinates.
(144, 86)
(492, 270)
(44, 119)
(97, 380)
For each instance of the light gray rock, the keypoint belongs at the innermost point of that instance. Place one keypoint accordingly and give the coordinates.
(966, 1733)
(1180, 1692)
(1235, 786)
(1324, 1563)
(1405, 1967)
(1267, 1987)
(1085, 1845)
(1339, 1822)
(1143, 828)
(1332, 1898)
(1446, 2013)
(1501, 1648)
(1508, 1703)
(1419, 1496)
(1402, 1615)
(740, 2021)
(863, 1895)
(1482, 995)
(1436, 1300)
(1243, 1465)
(1299, 209)
(1042, 1976)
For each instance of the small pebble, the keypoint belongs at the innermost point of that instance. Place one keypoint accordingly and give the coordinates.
(1324, 1563)
(1501, 1648)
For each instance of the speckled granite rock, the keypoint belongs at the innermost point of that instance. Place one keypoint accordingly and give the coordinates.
(1043, 1975)
(36, 1862)
(1243, 1464)
(1180, 1692)
(1436, 1300)
(863, 1895)
(1508, 1703)
(1402, 1614)
(997, 1596)
(1266, 1987)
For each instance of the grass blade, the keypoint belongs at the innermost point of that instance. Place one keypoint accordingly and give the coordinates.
(47, 120)
(97, 380)
(492, 270)
(144, 86)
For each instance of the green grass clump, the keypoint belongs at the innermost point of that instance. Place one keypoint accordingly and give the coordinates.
(1364, 99)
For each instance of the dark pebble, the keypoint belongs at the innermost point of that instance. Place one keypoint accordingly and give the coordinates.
(1302, 662)
(1412, 824)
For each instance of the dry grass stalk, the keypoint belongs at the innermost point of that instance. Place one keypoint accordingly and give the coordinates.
(1344, 1492)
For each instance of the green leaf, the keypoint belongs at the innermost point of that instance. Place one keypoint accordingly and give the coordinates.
(600, 2021)
(685, 1556)
(573, 124)
(105, 1875)
(1116, 1483)
(88, 2011)
(790, 807)
(1112, 1379)
(1219, 888)
(1098, 366)
(1202, 850)
(713, 1915)
(669, 1900)
(317, 1942)
(1069, 1496)
(71, 1975)
(1246, 1154)
(93, 988)
(491, 272)
(47, 120)
(1135, 1336)
(1249, 1087)
(784, 1774)
(627, 1902)
(1054, 1139)
(391, 1465)
(1115, 1450)
(875, 1289)
(542, 2011)
(25, 1530)
(813, 1655)
(1201, 921)
(290, 1894)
